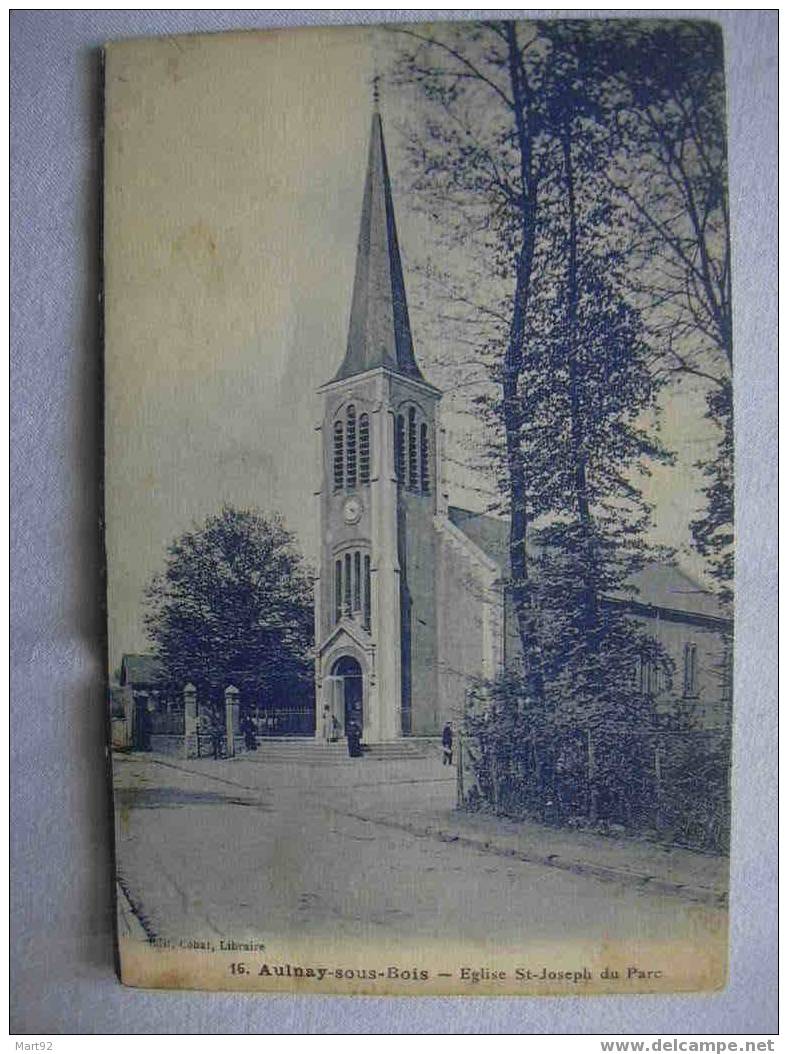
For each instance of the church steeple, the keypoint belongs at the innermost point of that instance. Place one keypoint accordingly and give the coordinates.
(379, 333)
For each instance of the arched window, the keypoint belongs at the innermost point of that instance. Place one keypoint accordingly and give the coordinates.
(367, 594)
(337, 591)
(339, 456)
(347, 592)
(690, 670)
(351, 446)
(357, 581)
(352, 587)
(413, 472)
(363, 449)
(425, 460)
(399, 447)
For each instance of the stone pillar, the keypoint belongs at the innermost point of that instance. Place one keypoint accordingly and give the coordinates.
(232, 713)
(191, 742)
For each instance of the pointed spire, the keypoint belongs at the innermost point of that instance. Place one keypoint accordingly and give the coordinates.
(379, 332)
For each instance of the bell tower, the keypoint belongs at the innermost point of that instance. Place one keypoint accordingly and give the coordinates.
(375, 612)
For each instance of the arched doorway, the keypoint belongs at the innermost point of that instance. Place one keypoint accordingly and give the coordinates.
(349, 671)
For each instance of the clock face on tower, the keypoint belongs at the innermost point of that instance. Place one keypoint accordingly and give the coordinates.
(351, 510)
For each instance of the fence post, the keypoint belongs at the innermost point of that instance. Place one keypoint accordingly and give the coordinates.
(592, 795)
(460, 787)
(191, 739)
(231, 717)
(658, 818)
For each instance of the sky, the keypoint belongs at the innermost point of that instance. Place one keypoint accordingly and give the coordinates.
(234, 172)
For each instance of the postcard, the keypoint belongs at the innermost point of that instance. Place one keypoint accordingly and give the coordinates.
(419, 507)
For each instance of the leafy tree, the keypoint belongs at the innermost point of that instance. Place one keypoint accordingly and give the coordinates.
(482, 164)
(588, 390)
(669, 168)
(575, 392)
(712, 530)
(515, 145)
(668, 165)
(516, 114)
(234, 606)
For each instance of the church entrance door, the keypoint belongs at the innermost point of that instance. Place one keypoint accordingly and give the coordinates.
(349, 670)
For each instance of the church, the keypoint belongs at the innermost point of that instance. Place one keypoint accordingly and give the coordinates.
(408, 605)
(410, 600)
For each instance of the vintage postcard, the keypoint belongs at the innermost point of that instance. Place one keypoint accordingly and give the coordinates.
(419, 507)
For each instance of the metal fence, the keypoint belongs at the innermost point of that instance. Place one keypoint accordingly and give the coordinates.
(168, 719)
(670, 785)
(284, 721)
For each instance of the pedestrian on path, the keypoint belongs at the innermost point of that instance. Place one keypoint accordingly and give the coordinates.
(447, 740)
(325, 725)
(249, 731)
(216, 731)
(354, 740)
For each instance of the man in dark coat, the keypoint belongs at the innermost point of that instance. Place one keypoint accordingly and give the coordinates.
(217, 733)
(249, 731)
(447, 739)
(353, 733)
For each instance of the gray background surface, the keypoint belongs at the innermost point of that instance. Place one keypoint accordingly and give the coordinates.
(62, 966)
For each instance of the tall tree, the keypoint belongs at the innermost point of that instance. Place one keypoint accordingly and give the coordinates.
(669, 169)
(485, 151)
(234, 605)
(669, 164)
(589, 411)
(514, 145)
(575, 369)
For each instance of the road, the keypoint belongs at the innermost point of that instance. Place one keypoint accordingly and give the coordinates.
(249, 849)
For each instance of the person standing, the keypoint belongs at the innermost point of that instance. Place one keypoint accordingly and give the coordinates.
(249, 731)
(325, 724)
(447, 739)
(217, 733)
(353, 739)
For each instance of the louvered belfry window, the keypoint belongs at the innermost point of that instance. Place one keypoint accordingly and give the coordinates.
(399, 448)
(352, 450)
(412, 451)
(363, 449)
(339, 456)
(424, 451)
(413, 473)
(352, 467)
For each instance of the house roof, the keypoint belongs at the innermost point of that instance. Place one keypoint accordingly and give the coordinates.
(489, 533)
(667, 586)
(659, 585)
(379, 333)
(140, 669)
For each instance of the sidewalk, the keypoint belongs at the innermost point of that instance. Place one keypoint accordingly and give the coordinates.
(660, 869)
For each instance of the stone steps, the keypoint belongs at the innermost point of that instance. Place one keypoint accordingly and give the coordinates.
(314, 751)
